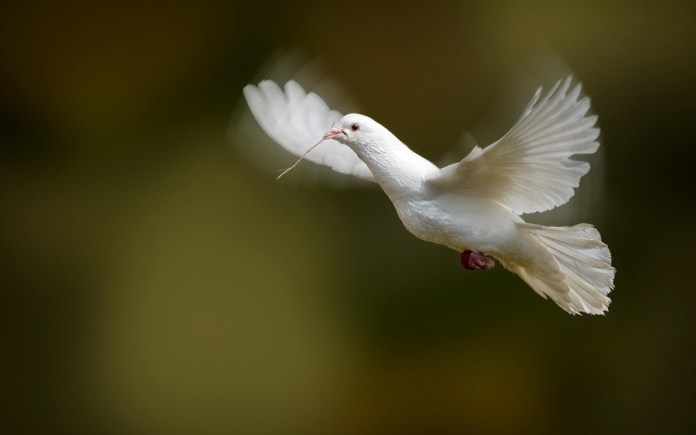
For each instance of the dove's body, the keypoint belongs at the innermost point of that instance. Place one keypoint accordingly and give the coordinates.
(473, 205)
(436, 214)
(430, 212)
(461, 223)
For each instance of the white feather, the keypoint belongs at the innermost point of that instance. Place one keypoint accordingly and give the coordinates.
(529, 169)
(577, 275)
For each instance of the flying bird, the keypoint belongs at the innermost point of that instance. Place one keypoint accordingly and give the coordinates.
(472, 206)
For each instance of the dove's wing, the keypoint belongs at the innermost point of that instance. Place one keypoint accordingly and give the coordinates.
(296, 120)
(529, 169)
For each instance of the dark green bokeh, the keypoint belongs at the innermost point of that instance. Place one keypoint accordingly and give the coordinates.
(155, 281)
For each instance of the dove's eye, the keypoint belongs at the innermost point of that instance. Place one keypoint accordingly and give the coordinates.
(355, 126)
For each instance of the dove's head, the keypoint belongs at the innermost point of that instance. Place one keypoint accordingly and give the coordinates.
(357, 131)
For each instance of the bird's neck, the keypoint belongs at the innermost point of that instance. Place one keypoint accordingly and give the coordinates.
(396, 168)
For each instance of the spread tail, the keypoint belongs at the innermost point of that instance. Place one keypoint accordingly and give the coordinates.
(572, 266)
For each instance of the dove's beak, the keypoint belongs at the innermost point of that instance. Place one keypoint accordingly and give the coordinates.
(333, 133)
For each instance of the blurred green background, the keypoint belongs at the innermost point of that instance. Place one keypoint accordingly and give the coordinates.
(155, 281)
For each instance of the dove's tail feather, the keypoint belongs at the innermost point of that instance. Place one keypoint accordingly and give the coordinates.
(572, 266)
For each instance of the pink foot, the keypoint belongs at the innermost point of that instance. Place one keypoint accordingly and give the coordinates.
(476, 261)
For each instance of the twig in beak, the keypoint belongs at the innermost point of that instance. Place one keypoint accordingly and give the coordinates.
(299, 160)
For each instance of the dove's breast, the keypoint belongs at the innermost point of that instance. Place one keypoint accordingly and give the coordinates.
(460, 222)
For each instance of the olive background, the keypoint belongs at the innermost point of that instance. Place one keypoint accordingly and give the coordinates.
(155, 279)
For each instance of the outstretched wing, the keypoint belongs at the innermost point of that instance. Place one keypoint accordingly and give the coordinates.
(530, 168)
(296, 120)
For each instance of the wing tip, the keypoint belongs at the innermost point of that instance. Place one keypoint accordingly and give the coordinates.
(249, 91)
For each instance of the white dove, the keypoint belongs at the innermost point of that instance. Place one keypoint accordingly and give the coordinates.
(472, 206)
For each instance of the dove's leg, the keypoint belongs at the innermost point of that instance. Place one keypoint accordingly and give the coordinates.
(476, 261)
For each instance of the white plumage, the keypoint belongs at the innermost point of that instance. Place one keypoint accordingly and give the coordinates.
(473, 205)
(529, 169)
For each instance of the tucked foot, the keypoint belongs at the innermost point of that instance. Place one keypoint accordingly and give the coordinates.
(476, 261)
